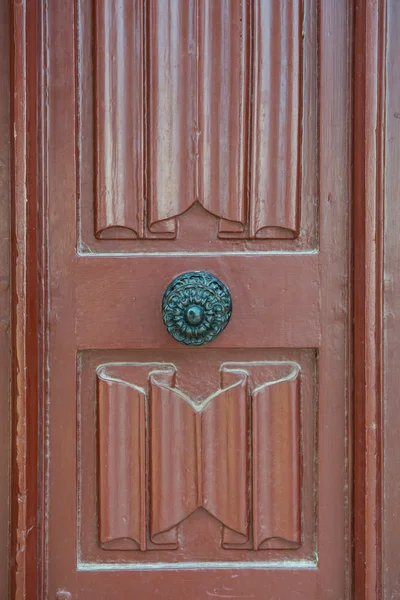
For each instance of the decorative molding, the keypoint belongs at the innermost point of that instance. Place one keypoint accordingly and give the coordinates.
(28, 313)
(6, 307)
(119, 123)
(198, 459)
(276, 508)
(188, 141)
(369, 183)
(199, 456)
(121, 463)
(276, 130)
(19, 506)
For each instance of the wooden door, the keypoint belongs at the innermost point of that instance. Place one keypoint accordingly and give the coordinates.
(196, 136)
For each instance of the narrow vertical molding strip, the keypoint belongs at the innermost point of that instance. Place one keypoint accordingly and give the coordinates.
(223, 90)
(369, 181)
(172, 115)
(174, 452)
(27, 541)
(225, 458)
(276, 465)
(119, 118)
(121, 432)
(276, 128)
(20, 424)
(374, 173)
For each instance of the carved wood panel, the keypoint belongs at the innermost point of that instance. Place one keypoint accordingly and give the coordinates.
(177, 108)
(191, 106)
(198, 455)
(228, 458)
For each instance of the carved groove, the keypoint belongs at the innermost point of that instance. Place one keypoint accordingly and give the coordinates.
(195, 67)
(199, 456)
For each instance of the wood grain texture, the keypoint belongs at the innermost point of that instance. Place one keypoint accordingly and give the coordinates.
(335, 195)
(20, 442)
(174, 453)
(121, 425)
(225, 457)
(384, 280)
(60, 196)
(277, 452)
(5, 297)
(109, 318)
(195, 116)
(283, 288)
(119, 118)
(207, 451)
(223, 111)
(27, 255)
(172, 110)
(369, 322)
(276, 135)
(199, 456)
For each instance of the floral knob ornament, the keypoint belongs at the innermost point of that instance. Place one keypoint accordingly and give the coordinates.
(196, 307)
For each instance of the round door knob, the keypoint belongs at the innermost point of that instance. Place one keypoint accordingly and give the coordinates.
(196, 307)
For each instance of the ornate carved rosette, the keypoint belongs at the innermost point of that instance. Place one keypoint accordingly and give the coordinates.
(196, 307)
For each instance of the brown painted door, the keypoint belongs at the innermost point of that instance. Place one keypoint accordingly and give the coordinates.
(185, 136)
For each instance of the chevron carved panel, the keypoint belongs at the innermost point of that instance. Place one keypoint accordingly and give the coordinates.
(235, 455)
(197, 101)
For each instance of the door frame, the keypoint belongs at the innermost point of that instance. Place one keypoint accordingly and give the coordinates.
(370, 28)
(30, 323)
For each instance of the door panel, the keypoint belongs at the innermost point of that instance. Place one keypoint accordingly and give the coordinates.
(177, 127)
(199, 445)
(199, 87)
(199, 135)
(280, 309)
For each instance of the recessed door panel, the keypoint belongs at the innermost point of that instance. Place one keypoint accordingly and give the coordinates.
(187, 467)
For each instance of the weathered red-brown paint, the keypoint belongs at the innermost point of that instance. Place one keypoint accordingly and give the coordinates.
(5, 329)
(390, 308)
(197, 228)
(27, 300)
(368, 193)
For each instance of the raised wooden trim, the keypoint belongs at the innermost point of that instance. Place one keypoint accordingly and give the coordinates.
(27, 306)
(19, 421)
(5, 262)
(368, 186)
(390, 473)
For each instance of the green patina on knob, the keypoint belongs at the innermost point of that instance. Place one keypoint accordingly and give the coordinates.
(196, 307)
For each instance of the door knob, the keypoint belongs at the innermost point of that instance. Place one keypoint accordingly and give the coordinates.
(196, 307)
